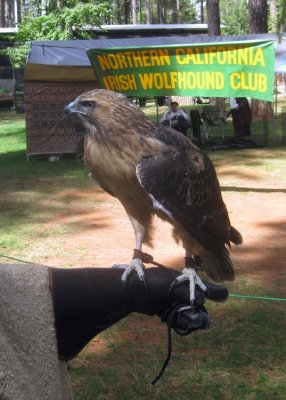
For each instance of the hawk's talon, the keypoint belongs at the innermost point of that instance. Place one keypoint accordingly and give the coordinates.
(190, 275)
(135, 265)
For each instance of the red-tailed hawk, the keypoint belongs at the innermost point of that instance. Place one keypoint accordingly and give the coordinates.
(152, 170)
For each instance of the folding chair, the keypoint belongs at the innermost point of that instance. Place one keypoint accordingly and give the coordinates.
(214, 123)
(196, 123)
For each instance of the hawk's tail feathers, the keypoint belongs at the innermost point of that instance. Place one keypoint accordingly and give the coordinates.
(235, 236)
(218, 267)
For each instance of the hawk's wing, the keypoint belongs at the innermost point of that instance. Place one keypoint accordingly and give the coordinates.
(182, 182)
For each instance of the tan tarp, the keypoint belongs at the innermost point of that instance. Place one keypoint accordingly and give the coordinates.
(29, 364)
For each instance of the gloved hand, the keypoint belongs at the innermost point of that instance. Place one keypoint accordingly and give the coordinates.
(156, 298)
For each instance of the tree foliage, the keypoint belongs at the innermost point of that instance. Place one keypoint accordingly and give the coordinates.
(234, 17)
(59, 24)
(281, 16)
(164, 12)
(62, 24)
(66, 19)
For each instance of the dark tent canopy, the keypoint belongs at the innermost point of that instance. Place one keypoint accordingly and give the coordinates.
(72, 53)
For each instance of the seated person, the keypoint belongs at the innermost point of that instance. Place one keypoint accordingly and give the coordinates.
(176, 119)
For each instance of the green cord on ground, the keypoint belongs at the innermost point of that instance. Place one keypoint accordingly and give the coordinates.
(241, 296)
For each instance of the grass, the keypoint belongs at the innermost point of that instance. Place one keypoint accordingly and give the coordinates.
(235, 359)
(32, 192)
(243, 355)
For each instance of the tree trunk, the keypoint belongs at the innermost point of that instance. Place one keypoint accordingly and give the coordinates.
(134, 12)
(273, 15)
(258, 12)
(281, 19)
(8, 12)
(176, 7)
(202, 16)
(18, 11)
(118, 12)
(261, 110)
(213, 17)
(164, 13)
(159, 12)
(149, 11)
(214, 30)
(1, 13)
(257, 16)
(126, 11)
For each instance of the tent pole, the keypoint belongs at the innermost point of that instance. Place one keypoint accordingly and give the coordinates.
(157, 110)
(276, 96)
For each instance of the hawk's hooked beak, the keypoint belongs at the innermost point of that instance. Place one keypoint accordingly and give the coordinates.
(73, 109)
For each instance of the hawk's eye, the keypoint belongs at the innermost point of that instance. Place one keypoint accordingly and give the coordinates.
(88, 103)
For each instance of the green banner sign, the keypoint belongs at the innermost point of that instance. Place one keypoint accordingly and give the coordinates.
(232, 69)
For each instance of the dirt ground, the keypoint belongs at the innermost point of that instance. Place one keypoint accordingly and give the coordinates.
(104, 234)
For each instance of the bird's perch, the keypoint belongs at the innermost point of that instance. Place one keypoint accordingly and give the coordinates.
(49, 314)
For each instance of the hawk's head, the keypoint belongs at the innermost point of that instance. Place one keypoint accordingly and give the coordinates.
(105, 109)
(95, 105)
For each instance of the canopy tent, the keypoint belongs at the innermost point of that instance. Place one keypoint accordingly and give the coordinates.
(58, 71)
(72, 53)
